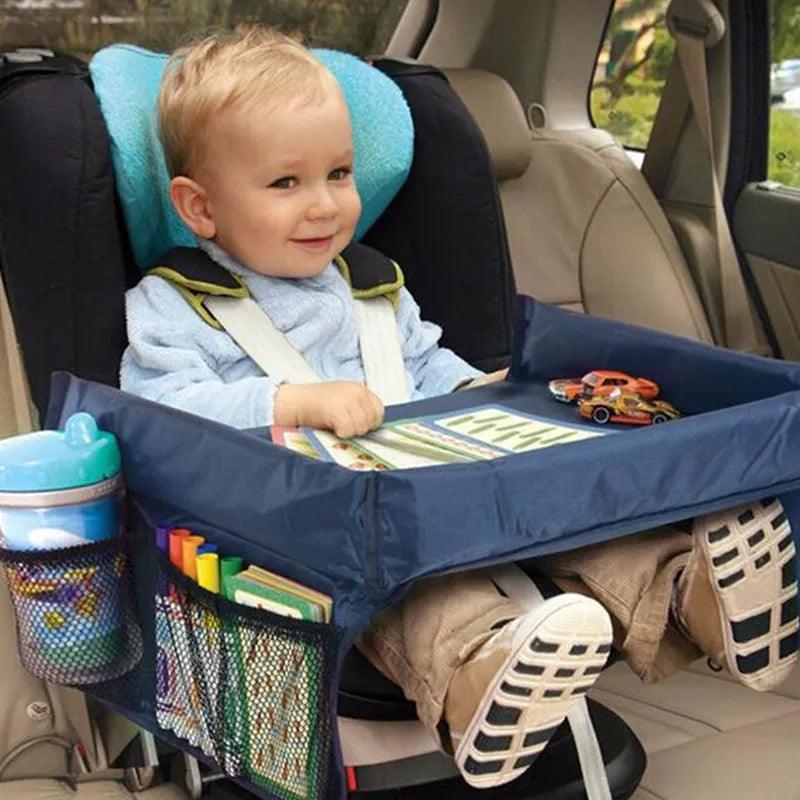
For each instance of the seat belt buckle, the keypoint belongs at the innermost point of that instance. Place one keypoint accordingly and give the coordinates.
(691, 27)
(79, 761)
(698, 19)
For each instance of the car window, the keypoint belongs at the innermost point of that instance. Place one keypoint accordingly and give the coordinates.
(784, 83)
(631, 70)
(82, 27)
(591, 379)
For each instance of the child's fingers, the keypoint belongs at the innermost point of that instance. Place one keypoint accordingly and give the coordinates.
(376, 410)
(344, 425)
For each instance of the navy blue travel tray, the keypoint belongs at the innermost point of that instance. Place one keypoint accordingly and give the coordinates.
(365, 537)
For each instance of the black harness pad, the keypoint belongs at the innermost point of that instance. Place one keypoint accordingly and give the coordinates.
(197, 268)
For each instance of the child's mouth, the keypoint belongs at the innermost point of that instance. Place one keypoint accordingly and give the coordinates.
(316, 244)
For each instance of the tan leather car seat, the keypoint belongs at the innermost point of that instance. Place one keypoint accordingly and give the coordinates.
(38, 735)
(584, 229)
(41, 724)
(586, 233)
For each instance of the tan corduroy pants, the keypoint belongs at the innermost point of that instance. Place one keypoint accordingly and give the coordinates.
(419, 642)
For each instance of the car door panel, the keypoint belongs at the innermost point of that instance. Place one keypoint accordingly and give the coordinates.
(767, 229)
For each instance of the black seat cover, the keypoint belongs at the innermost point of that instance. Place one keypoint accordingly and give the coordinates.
(63, 252)
(445, 226)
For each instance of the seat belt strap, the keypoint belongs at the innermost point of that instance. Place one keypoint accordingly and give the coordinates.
(250, 327)
(379, 341)
(590, 757)
(737, 319)
(514, 583)
(687, 87)
(671, 116)
(381, 351)
(75, 710)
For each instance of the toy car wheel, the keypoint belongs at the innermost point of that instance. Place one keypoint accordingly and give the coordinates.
(601, 415)
(659, 418)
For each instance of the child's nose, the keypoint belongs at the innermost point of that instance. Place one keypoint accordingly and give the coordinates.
(322, 204)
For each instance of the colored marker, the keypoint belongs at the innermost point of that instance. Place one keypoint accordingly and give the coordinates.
(176, 537)
(162, 538)
(169, 708)
(230, 565)
(208, 571)
(189, 561)
(234, 698)
(186, 723)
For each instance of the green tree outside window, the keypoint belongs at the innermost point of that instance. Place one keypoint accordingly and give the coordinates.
(784, 123)
(631, 71)
(633, 66)
(82, 27)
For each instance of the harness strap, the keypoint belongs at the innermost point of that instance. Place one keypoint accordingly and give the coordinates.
(381, 351)
(223, 301)
(247, 324)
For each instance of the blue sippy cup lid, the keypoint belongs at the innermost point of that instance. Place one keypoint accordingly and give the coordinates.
(79, 455)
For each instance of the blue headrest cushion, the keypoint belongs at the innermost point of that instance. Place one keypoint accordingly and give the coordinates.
(126, 81)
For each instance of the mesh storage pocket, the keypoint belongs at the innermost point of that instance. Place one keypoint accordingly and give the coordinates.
(75, 618)
(249, 687)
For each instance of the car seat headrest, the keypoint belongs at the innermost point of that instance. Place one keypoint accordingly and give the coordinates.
(496, 109)
(126, 81)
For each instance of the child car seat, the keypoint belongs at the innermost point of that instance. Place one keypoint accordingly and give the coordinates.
(57, 179)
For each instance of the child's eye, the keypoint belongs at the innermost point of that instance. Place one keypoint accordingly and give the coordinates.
(287, 182)
(340, 174)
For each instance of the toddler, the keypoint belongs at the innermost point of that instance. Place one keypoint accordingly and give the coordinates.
(257, 138)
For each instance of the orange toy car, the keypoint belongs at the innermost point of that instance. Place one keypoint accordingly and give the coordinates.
(601, 382)
(627, 408)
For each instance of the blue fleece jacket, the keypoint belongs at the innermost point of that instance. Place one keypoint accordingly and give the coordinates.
(177, 359)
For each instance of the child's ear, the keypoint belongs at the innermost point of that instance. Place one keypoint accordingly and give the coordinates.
(192, 204)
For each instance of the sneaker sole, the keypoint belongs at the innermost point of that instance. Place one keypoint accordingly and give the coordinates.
(751, 561)
(555, 658)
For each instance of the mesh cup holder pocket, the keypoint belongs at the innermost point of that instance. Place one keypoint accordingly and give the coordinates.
(248, 687)
(74, 609)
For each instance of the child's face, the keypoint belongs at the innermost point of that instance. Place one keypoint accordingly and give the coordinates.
(279, 185)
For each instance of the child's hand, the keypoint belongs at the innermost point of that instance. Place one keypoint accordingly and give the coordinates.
(492, 377)
(347, 408)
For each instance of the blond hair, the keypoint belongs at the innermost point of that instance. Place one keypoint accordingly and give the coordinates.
(249, 65)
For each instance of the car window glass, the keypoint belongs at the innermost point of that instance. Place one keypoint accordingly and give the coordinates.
(590, 379)
(82, 27)
(631, 70)
(784, 118)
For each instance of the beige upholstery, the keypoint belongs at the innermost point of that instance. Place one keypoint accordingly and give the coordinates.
(101, 790)
(584, 229)
(499, 115)
(707, 736)
(17, 413)
(586, 233)
(780, 288)
(29, 713)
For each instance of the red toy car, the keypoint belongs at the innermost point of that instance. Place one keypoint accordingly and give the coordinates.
(601, 382)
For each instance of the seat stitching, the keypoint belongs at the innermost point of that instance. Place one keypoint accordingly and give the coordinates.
(586, 229)
(781, 294)
(661, 708)
(661, 241)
